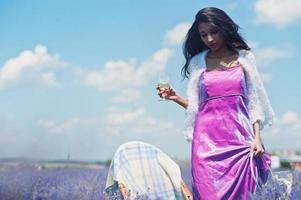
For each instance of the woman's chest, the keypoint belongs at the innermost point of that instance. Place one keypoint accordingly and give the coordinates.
(225, 81)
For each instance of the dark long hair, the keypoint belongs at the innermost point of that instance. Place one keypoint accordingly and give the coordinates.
(193, 43)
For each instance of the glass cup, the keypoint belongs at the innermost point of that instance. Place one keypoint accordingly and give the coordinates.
(163, 82)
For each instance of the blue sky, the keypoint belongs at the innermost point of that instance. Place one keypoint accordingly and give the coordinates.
(79, 77)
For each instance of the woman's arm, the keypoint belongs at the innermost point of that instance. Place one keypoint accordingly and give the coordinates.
(171, 94)
(256, 145)
(259, 105)
(181, 101)
(256, 129)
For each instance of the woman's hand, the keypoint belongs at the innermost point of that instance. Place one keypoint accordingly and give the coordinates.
(257, 147)
(167, 93)
(170, 94)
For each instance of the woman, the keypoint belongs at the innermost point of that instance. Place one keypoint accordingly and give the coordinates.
(227, 106)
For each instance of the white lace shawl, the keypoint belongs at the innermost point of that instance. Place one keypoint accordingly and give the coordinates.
(258, 103)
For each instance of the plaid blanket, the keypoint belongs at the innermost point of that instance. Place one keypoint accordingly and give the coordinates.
(145, 170)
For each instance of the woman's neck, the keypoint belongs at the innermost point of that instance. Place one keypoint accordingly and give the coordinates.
(220, 53)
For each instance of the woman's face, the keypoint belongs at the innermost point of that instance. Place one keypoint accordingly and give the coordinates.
(211, 36)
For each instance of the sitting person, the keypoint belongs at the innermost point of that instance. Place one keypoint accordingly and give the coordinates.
(141, 169)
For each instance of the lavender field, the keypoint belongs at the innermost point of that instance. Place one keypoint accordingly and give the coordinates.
(57, 181)
(28, 180)
(31, 180)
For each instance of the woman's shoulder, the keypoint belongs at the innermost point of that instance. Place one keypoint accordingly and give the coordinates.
(197, 57)
(247, 58)
(197, 61)
(248, 54)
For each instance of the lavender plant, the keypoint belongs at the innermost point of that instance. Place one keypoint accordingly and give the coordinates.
(283, 185)
(26, 181)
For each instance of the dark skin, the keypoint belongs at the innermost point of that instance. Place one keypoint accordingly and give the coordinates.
(218, 56)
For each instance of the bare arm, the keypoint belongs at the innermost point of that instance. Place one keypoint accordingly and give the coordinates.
(256, 130)
(181, 101)
(256, 145)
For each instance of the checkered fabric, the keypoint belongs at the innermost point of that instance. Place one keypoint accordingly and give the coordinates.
(146, 170)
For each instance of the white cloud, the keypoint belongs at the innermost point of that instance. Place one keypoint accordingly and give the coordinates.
(122, 118)
(289, 122)
(122, 74)
(177, 34)
(127, 95)
(48, 79)
(115, 75)
(59, 127)
(151, 125)
(285, 132)
(278, 12)
(290, 118)
(136, 121)
(31, 66)
(153, 66)
(268, 55)
(297, 127)
(265, 56)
